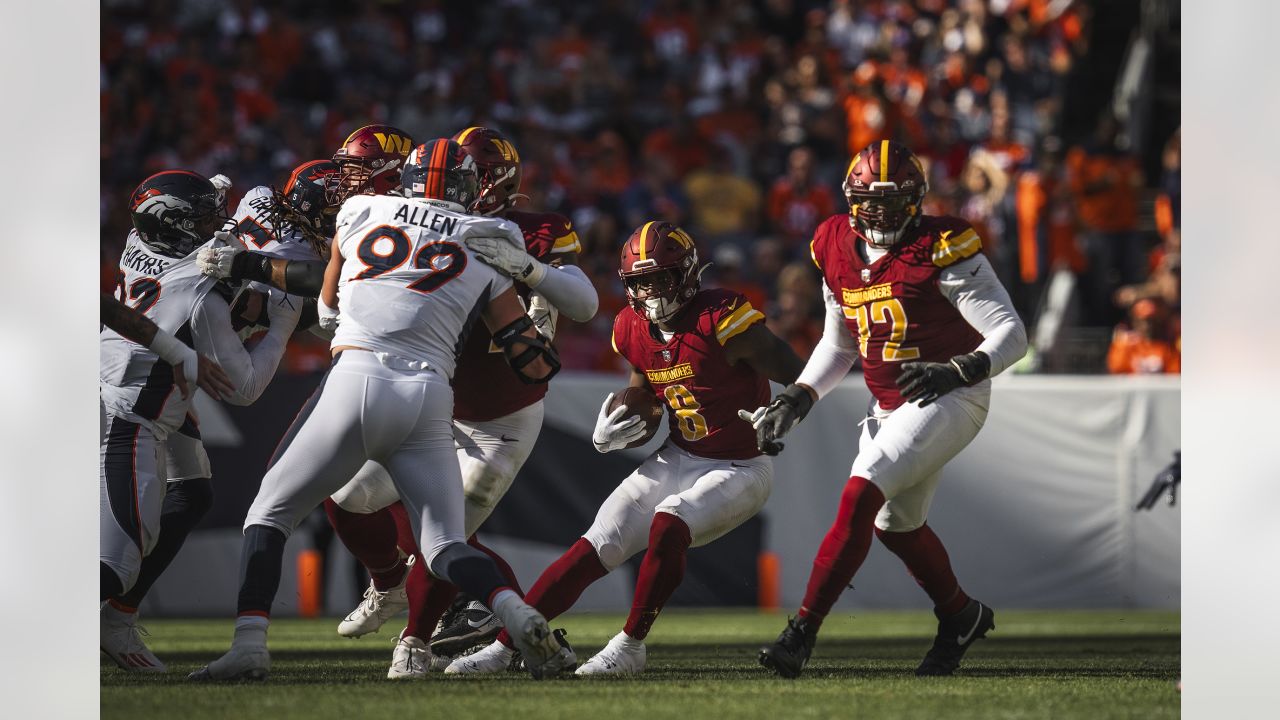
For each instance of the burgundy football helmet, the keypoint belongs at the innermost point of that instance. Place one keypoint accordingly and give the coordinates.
(310, 202)
(370, 161)
(659, 267)
(885, 185)
(498, 164)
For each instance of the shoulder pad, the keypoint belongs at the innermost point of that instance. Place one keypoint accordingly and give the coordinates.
(955, 244)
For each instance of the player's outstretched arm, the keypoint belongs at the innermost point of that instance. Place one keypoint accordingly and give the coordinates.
(250, 371)
(533, 359)
(188, 365)
(560, 281)
(234, 262)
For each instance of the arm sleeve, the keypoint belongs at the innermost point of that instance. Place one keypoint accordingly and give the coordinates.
(835, 353)
(972, 286)
(570, 291)
(250, 371)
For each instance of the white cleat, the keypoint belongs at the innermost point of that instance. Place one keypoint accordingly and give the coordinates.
(411, 659)
(121, 639)
(544, 654)
(622, 656)
(240, 663)
(492, 658)
(377, 607)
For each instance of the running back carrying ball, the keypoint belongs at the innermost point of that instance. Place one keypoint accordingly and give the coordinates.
(639, 401)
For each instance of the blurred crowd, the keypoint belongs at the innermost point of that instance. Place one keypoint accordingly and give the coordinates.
(735, 120)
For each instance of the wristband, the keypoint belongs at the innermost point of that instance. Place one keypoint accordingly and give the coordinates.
(533, 274)
(172, 350)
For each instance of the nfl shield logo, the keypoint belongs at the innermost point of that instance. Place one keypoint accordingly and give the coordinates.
(866, 275)
(666, 356)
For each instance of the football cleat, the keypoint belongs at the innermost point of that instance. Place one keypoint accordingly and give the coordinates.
(410, 660)
(788, 655)
(121, 640)
(377, 607)
(492, 658)
(622, 656)
(240, 663)
(545, 654)
(475, 625)
(955, 635)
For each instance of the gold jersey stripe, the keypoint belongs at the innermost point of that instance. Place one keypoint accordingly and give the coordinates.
(613, 340)
(568, 243)
(751, 317)
(736, 313)
(813, 253)
(947, 251)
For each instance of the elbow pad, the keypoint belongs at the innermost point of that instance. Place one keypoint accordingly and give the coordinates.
(303, 278)
(512, 335)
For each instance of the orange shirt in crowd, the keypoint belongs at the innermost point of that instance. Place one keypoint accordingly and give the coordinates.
(1131, 353)
(795, 213)
(1113, 208)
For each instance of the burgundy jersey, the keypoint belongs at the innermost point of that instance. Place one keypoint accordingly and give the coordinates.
(484, 385)
(893, 306)
(691, 376)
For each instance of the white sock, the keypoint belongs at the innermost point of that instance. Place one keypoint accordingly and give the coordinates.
(251, 630)
(628, 642)
(502, 601)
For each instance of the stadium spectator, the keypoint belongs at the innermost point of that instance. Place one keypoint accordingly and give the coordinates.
(797, 201)
(1142, 348)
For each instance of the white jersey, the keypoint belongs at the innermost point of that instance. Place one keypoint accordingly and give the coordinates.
(409, 286)
(254, 226)
(136, 384)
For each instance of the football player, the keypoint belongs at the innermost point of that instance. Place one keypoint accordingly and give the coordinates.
(408, 291)
(497, 419)
(705, 354)
(286, 234)
(154, 472)
(914, 296)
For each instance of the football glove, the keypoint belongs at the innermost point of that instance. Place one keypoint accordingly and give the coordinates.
(612, 433)
(506, 258)
(925, 382)
(774, 422)
(221, 184)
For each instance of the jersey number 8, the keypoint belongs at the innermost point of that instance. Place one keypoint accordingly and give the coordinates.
(386, 248)
(692, 425)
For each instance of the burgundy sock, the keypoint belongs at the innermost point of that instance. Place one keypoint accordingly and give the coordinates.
(503, 567)
(927, 561)
(660, 572)
(372, 539)
(429, 598)
(404, 531)
(843, 549)
(562, 583)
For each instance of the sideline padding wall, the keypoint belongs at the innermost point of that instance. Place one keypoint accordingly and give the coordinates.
(1036, 512)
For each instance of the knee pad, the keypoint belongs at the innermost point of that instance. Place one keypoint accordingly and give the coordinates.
(486, 485)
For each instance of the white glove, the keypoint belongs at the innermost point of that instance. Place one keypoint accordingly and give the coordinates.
(222, 184)
(753, 417)
(611, 434)
(543, 314)
(328, 319)
(283, 311)
(216, 261)
(507, 258)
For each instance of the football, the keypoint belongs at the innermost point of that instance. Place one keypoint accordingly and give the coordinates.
(640, 401)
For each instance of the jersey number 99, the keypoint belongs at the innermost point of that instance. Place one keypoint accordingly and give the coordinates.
(386, 248)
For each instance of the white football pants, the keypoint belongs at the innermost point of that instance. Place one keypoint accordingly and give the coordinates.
(380, 407)
(711, 496)
(490, 454)
(903, 451)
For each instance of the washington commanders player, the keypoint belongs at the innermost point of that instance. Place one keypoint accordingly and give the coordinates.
(706, 354)
(408, 291)
(497, 419)
(155, 477)
(914, 296)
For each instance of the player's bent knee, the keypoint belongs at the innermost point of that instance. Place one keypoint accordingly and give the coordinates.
(486, 486)
(610, 552)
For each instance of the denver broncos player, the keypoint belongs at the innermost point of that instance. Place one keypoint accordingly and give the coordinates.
(155, 476)
(297, 224)
(706, 354)
(912, 295)
(497, 419)
(409, 291)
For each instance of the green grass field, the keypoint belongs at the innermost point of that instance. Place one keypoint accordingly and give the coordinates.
(1037, 664)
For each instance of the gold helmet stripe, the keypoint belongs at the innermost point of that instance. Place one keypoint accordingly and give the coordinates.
(644, 239)
(462, 136)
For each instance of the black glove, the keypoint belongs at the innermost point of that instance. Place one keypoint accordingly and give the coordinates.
(789, 408)
(1166, 483)
(927, 381)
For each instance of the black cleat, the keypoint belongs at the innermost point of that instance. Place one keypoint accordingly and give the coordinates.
(955, 635)
(788, 654)
(475, 625)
